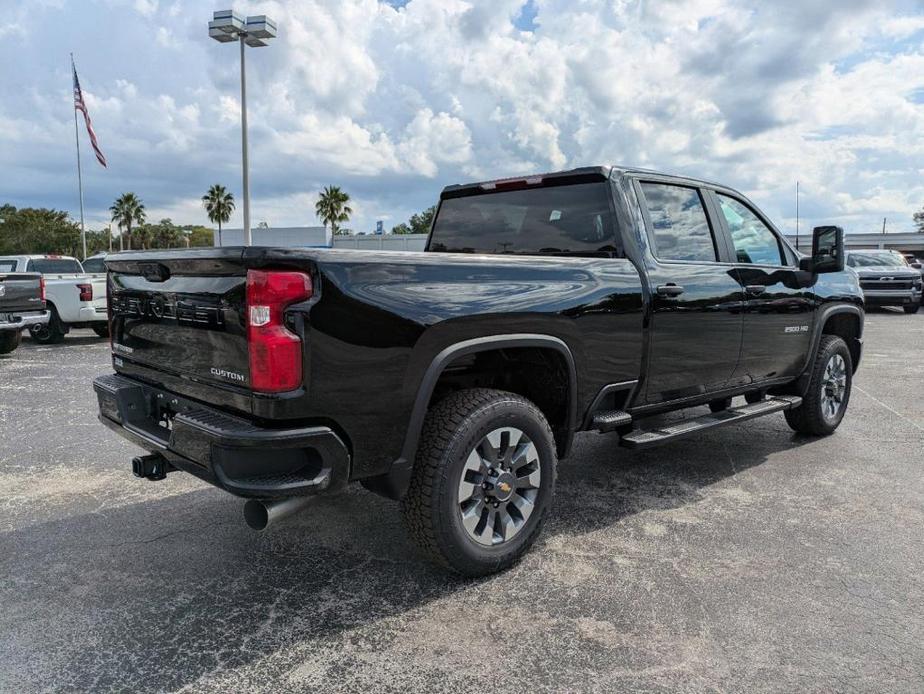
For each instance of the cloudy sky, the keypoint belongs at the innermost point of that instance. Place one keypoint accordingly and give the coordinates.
(393, 100)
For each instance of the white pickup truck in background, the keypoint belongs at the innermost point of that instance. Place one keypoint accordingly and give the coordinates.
(74, 298)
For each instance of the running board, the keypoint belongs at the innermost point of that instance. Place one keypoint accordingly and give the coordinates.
(610, 420)
(733, 415)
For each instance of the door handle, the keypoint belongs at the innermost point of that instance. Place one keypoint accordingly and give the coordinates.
(670, 289)
(755, 289)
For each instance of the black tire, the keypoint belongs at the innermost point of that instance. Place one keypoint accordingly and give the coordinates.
(101, 330)
(810, 417)
(754, 396)
(9, 340)
(454, 429)
(912, 309)
(50, 333)
(720, 405)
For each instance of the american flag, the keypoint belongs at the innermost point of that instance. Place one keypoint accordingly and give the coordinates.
(82, 107)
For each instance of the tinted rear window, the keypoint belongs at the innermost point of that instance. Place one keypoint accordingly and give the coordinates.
(559, 220)
(54, 266)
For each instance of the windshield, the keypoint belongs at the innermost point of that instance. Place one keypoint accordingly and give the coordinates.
(570, 219)
(876, 259)
(54, 266)
(94, 265)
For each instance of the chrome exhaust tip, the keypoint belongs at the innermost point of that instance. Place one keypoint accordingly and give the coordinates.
(259, 514)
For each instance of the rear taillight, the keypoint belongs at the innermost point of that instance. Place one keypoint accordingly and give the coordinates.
(275, 352)
(86, 292)
(42, 289)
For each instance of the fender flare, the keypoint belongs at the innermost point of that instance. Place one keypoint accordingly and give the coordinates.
(823, 315)
(400, 474)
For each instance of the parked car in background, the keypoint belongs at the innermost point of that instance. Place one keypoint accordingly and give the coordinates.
(916, 263)
(95, 264)
(887, 279)
(454, 379)
(74, 299)
(22, 305)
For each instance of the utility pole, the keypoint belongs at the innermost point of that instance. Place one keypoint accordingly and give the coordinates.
(883, 224)
(797, 215)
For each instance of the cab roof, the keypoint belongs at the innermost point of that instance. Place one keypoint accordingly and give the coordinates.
(578, 175)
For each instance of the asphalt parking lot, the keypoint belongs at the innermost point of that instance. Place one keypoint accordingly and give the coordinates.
(745, 559)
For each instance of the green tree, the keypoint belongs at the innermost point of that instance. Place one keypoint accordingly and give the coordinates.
(127, 210)
(37, 230)
(164, 234)
(419, 223)
(219, 204)
(198, 235)
(918, 218)
(331, 208)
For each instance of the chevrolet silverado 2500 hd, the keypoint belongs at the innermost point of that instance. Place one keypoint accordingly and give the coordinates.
(454, 379)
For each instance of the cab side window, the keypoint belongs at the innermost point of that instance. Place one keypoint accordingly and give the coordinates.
(679, 223)
(754, 242)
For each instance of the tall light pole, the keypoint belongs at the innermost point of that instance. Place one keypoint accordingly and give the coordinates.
(227, 26)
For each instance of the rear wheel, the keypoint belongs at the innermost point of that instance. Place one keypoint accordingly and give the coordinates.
(483, 481)
(912, 308)
(51, 332)
(9, 340)
(825, 401)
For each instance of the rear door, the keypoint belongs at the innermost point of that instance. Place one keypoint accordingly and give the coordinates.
(778, 312)
(696, 297)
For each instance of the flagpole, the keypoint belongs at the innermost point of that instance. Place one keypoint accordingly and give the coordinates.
(83, 232)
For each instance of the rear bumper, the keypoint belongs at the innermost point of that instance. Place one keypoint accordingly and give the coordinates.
(92, 313)
(226, 451)
(22, 320)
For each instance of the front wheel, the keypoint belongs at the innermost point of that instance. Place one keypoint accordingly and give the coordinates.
(912, 308)
(483, 480)
(825, 401)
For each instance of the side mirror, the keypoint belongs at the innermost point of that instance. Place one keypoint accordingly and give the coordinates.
(827, 251)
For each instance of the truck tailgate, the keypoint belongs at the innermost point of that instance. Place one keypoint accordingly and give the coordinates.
(184, 315)
(20, 292)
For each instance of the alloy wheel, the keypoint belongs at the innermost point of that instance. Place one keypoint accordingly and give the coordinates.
(499, 485)
(833, 386)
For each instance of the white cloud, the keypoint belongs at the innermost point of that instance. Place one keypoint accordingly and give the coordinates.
(391, 104)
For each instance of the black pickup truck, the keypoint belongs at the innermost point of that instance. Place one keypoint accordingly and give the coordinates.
(22, 306)
(454, 379)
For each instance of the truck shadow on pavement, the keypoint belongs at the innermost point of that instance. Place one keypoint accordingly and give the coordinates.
(159, 594)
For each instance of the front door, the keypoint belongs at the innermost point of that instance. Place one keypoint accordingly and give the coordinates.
(696, 322)
(779, 311)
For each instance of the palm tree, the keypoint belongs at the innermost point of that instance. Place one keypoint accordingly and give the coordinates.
(126, 210)
(332, 208)
(219, 204)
